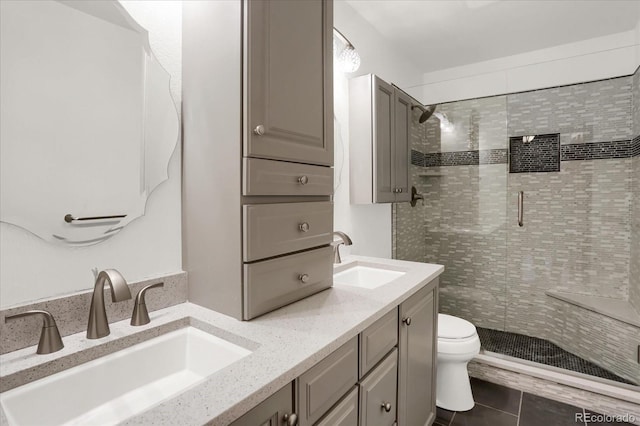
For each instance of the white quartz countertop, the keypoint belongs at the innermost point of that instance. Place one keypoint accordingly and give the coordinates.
(285, 343)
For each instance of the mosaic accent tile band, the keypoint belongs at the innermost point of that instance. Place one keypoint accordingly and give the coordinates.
(568, 152)
(538, 154)
(459, 158)
(597, 150)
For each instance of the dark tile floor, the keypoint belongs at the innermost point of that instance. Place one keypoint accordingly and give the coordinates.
(541, 351)
(498, 405)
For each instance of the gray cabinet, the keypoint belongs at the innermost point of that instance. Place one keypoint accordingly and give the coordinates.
(320, 387)
(289, 77)
(266, 177)
(378, 393)
(417, 358)
(274, 229)
(271, 412)
(272, 283)
(345, 413)
(377, 340)
(257, 152)
(379, 130)
(383, 377)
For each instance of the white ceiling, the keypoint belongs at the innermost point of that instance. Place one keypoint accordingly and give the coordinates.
(440, 34)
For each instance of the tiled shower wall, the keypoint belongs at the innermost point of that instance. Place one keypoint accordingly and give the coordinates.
(634, 288)
(577, 236)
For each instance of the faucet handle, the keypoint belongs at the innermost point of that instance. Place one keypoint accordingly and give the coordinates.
(140, 314)
(50, 340)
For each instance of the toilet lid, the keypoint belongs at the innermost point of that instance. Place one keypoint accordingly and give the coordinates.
(450, 327)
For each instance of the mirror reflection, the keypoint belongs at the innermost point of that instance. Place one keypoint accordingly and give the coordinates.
(88, 122)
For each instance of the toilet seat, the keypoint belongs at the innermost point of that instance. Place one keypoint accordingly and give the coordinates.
(454, 328)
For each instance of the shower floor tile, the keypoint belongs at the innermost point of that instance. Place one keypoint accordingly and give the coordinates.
(540, 351)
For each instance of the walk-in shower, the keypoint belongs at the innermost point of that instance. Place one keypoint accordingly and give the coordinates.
(562, 288)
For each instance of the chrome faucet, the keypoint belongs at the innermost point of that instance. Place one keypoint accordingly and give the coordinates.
(98, 325)
(343, 239)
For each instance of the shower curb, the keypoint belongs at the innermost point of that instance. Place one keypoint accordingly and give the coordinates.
(567, 388)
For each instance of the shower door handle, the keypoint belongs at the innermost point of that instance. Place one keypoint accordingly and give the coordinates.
(521, 209)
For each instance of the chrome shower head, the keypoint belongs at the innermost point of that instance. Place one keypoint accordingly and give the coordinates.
(426, 112)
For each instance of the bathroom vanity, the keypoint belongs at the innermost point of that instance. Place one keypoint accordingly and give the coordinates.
(332, 358)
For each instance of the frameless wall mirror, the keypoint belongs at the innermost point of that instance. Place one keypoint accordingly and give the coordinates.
(88, 122)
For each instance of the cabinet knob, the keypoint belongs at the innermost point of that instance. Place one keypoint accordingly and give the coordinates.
(290, 419)
(303, 278)
(303, 227)
(259, 130)
(399, 189)
(386, 406)
(303, 180)
(407, 320)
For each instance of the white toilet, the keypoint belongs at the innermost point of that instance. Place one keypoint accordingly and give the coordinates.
(458, 343)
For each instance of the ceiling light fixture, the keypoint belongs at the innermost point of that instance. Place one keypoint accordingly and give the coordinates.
(348, 58)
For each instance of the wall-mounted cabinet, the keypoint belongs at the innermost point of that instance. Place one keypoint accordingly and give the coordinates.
(379, 129)
(257, 153)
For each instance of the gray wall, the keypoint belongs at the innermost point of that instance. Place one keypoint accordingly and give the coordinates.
(578, 235)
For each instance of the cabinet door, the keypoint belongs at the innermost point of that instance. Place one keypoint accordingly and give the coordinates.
(320, 387)
(402, 116)
(417, 350)
(345, 413)
(383, 141)
(271, 412)
(288, 81)
(378, 393)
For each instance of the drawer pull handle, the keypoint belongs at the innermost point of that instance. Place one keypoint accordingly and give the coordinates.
(407, 320)
(303, 278)
(259, 130)
(303, 180)
(303, 227)
(386, 406)
(290, 419)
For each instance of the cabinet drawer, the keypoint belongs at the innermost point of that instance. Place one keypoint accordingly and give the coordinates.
(377, 390)
(326, 382)
(273, 229)
(377, 340)
(273, 283)
(268, 177)
(345, 413)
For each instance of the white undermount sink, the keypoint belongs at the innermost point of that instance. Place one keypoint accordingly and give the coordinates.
(119, 385)
(366, 275)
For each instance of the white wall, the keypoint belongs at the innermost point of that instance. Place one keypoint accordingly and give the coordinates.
(32, 269)
(369, 226)
(598, 58)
